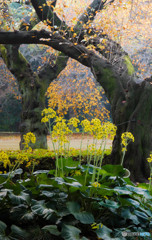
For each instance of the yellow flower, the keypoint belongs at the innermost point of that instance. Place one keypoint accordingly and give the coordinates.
(21, 158)
(96, 226)
(74, 122)
(44, 119)
(4, 159)
(96, 184)
(29, 137)
(126, 138)
(49, 113)
(77, 173)
(86, 125)
(149, 159)
(28, 164)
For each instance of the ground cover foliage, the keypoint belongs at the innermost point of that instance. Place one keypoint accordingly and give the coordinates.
(42, 206)
(70, 194)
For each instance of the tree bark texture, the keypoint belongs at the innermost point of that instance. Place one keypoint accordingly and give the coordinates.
(32, 87)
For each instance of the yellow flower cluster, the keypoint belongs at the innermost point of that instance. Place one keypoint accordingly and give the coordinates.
(21, 158)
(98, 130)
(86, 126)
(126, 137)
(96, 127)
(149, 159)
(96, 184)
(48, 113)
(109, 130)
(74, 122)
(92, 149)
(60, 131)
(4, 159)
(29, 137)
(32, 162)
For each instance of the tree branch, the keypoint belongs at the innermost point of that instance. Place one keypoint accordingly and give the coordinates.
(90, 13)
(115, 54)
(48, 72)
(45, 13)
(103, 70)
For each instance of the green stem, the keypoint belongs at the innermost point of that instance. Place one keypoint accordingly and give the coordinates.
(122, 159)
(150, 181)
(101, 159)
(98, 157)
(94, 162)
(81, 148)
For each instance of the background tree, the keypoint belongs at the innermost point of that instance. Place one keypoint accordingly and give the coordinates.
(130, 100)
(31, 112)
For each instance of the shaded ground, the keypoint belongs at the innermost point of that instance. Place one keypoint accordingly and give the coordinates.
(10, 141)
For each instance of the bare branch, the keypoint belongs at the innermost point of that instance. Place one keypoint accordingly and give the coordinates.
(90, 13)
(45, 13)
(103, 70)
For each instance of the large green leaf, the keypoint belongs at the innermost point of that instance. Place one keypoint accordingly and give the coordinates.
(114, 170)
(141, 215)
(103, 232)
(122, 191)
(40, 208)
(83, 216)
(127, 214)
(3, 178)
(18, 233)
(70, 233)
(3, 227)
(102, 191)
(129, 202)
(43, 179)
(52, 229)
(110, 204)
(3, 193)
(67, 163)
(18, 199)
(40, 172)
(140, 191)
(45, 186)
(22, 213)
(73, 207)
(48, 194)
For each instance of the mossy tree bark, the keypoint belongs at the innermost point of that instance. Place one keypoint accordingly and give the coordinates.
(134, 115)
(32, 87)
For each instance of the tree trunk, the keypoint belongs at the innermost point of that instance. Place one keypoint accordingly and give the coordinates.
(32, 87)
(33, 102)
(134, 115)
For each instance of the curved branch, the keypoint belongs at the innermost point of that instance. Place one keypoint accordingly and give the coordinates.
(115, 54)
(103, 70)
(90, 13)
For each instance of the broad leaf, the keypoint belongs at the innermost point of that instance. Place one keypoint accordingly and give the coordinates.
(52, 229)
(70, 233)
(110, 204)
(84, 217)
(103, 232)
(18, 233)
